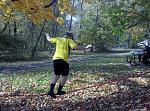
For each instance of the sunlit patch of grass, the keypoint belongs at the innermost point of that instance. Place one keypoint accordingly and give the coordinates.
(36, 81)
(114, 65)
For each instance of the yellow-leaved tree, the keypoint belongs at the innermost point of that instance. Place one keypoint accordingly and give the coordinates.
(36, 10)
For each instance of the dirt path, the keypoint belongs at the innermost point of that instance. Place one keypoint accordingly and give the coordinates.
(27, 66)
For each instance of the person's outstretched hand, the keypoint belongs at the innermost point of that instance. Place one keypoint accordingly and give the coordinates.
(47, 36)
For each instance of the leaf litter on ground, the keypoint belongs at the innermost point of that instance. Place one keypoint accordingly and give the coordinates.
(124, 95)
(82, 93)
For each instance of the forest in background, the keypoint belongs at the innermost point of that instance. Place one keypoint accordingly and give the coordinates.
(102, 23)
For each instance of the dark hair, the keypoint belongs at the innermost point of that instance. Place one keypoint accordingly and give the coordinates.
(70, 35)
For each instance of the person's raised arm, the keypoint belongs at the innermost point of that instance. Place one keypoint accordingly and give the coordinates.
(78, 47)
(48, 37)
(75, 46)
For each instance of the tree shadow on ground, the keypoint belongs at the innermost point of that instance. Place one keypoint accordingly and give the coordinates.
(135, 98)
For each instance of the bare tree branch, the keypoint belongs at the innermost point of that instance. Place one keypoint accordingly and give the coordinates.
(52, 2)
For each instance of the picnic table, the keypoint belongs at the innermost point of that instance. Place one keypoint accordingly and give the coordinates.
(135, 57)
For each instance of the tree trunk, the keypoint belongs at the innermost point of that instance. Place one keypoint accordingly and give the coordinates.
(70, 24)
(54, 29)
(32, 34)
(3, 30)
(15, 29)
(29, 39)
(81, 8)
(96, 24)
(45, 42)
(54, 25)
(80, 27)
(34, 49)
(9, 31)
(96, 20)
(91, 49)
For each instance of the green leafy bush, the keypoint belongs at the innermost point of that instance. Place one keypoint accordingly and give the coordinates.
(10, 47)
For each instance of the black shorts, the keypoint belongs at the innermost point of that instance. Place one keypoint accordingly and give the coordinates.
(61, 67)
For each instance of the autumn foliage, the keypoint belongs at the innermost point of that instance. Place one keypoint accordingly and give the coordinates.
(36, 10)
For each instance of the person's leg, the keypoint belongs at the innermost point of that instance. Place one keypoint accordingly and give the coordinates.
(52, 85)
(53, 82)
(61, 85)
(54, 78)
(64, 78)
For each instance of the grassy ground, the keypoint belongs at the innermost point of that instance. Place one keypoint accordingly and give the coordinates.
(83, 74)
(99, 69)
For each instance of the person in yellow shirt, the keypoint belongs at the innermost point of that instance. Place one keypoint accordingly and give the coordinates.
(60, 61)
